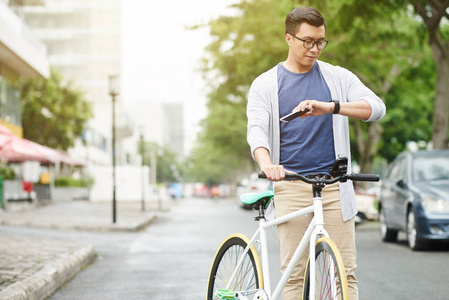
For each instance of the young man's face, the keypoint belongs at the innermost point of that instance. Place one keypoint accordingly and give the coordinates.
(305, 58)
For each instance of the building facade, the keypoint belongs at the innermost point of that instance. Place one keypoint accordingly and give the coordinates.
(21, 55)
(158, 122)
(83, 40)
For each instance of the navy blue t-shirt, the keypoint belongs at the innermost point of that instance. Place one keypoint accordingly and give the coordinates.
(307, 145)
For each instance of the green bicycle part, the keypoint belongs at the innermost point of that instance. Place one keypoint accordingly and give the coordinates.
(225, 294)
(251, 198)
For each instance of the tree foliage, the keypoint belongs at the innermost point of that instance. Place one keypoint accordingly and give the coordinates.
(410, 108)
(53, 114)
(168, 168)
(434, 30)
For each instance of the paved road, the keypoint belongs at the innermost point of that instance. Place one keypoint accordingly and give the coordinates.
(171, 258)
(391, 271)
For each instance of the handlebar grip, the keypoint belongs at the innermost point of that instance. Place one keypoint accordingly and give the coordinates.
(364, 177)
(261, 174)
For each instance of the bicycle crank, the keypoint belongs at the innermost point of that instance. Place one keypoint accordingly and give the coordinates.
(261, 295)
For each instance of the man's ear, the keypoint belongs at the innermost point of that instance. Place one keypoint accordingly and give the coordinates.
(288, 39)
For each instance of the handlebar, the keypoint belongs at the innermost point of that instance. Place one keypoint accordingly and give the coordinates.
(353, 177)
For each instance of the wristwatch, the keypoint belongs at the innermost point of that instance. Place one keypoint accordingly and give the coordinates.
(336, 106)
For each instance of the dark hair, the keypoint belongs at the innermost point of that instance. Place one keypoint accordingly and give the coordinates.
(299, 15)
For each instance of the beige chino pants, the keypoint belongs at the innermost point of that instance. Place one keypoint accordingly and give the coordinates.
(293, 195)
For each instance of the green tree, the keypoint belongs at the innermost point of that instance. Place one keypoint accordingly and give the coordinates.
(53, 114)
(212, 164)
(435, 16)
(168, 167)
(410, 108)
(434, 20)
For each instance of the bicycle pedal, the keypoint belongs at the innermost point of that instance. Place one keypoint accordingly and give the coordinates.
(225, 294)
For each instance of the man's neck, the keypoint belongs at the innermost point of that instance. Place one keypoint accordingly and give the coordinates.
(295, 67)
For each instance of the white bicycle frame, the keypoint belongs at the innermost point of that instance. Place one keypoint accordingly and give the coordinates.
(314, 230)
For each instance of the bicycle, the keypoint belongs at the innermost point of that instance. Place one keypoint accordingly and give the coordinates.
(237, 273)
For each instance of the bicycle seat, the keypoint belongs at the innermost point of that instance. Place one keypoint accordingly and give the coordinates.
(253, 198)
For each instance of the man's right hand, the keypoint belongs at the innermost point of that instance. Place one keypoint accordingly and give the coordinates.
(273, 172)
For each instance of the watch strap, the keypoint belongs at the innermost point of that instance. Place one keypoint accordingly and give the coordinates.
(336, 107)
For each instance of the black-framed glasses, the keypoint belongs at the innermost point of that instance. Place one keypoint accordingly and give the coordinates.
(310, 43)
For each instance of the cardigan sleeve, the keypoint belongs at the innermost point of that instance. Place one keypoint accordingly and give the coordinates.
(263, 114)
(258, 113)
(348, 88)
(358, 91)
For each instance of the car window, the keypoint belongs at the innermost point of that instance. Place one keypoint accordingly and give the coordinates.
(402, 172)
(393, 171)
(398, 170)
(430, 168)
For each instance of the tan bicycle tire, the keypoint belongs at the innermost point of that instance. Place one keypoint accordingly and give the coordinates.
(325, 244)
(235, 242)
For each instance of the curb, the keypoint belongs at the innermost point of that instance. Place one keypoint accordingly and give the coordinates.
(105, 227)
(46, 281)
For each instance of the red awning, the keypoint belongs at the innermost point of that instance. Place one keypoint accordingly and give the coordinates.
(15, 149)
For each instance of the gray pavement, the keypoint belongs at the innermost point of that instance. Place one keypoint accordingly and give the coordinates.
(32, 268)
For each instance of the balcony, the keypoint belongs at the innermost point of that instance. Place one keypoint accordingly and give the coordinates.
(19, 49)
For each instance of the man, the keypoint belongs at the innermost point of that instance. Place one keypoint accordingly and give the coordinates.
(308, 145)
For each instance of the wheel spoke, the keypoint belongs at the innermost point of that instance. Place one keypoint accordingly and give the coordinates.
(326, 283)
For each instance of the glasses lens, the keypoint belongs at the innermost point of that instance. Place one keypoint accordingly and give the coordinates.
(309, 43)
(322, 44)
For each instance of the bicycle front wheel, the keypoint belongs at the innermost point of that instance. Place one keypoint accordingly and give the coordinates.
(330, 275)
(248, 277)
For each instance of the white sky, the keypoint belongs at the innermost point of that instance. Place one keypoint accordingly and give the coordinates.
(160, 57)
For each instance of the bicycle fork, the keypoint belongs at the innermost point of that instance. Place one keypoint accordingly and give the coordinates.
(316, 234)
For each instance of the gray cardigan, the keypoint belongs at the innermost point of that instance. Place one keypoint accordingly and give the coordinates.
(263, 118)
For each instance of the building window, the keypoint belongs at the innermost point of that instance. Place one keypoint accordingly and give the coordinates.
(10, 110)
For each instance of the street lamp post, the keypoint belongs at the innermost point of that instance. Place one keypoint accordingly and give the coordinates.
(142, 149)
(113, 91)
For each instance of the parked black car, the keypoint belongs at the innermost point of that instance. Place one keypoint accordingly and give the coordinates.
(414, 198)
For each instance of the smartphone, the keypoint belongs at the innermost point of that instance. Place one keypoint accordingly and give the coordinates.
(294, 115)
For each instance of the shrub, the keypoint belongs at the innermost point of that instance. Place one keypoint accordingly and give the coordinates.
(66, 181)
(6, 172)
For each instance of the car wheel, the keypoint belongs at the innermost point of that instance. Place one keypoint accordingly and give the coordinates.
(360, 218)
(388, 234)
(414, 242)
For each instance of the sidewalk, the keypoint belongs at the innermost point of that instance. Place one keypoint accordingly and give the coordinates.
(32, 268)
